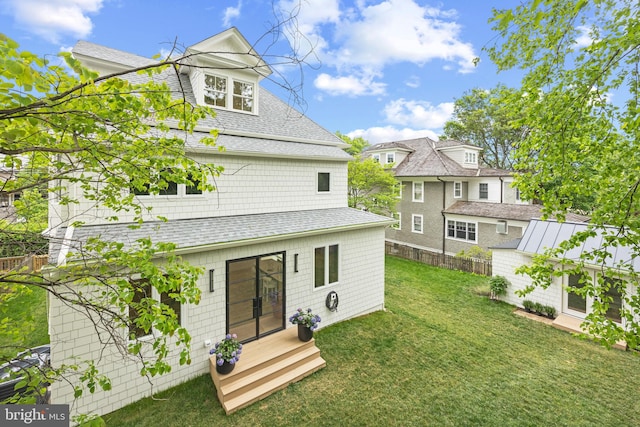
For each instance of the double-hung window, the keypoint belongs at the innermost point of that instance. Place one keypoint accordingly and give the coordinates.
(243, 96)
(483, 191)
(398, 217)
(326, 265)
(416, 223)
(418, 191)
(215, 91)
(457, 190)
(391, 158)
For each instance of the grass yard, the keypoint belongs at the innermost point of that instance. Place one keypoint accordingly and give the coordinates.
(441, 355)
(26, 324)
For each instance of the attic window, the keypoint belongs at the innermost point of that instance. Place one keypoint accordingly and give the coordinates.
(215, 91)
(243, 96)
(470, 157)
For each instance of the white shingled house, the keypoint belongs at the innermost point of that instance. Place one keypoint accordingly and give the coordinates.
(572, 309)
(278, 228)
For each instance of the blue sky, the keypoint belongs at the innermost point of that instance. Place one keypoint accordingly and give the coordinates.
(382, 69)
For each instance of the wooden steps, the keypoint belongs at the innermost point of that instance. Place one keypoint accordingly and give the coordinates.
(266, 366)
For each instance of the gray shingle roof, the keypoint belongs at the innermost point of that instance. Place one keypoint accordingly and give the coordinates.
(503, 211)
(275, 118)
(426, 160)
(206, 232)
(541, 235)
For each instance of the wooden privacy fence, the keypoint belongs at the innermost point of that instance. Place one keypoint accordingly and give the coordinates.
(439, 260)
(32, 262)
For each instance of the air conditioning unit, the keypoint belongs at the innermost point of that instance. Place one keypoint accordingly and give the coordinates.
(501, 227)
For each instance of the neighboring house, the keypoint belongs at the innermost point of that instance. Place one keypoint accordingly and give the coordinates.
(280, 211)
(450, 203)
(543, 235)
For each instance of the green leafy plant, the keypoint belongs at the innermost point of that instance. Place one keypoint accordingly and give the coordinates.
(538, 308)
(528, 305)
(498, 286)
(550, 311)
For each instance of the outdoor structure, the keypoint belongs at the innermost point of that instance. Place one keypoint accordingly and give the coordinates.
(571, 308)
(278, 229)
(450, 203)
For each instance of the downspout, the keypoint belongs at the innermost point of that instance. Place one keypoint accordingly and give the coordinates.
(444, 220)
(501, 188)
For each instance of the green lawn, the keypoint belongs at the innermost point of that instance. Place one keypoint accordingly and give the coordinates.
(441, 355)
(26, 324)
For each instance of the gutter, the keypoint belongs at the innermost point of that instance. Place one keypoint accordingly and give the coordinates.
(501, 189)
(444, 219)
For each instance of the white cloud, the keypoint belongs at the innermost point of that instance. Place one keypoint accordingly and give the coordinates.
(413, 82)
(585, 38)
(51, 19)
(419, 114)
(377, 135)
(230, 13)
(349, 85)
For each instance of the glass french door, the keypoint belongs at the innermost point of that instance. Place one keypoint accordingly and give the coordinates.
(575, 304)
(255, 296)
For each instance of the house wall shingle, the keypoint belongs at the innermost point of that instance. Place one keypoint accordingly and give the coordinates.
(360, 291)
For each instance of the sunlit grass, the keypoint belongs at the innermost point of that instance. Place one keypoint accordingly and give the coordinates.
(440, 355)
(24, 323)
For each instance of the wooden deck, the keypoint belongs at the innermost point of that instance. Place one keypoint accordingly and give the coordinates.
(266, 366)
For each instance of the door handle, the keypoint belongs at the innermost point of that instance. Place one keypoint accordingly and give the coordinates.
(259, 306)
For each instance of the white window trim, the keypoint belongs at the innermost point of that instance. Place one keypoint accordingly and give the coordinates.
(376, 157)
(459, 193)
(155, 295)
(387, 158)
(229, 98)
(413, 224)
(471, 157)
(446, 231)
(326, 265)
(413, 193)
(398, 225)
(318, 181)
(480, 192)
(204, 89)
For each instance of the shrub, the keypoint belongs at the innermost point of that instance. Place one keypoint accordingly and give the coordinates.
(550, 311)
(538, 308)
(498, 286)
(528, 305)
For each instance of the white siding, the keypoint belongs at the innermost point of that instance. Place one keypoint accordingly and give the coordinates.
(360, 291)
(248, 185)
(505, 262)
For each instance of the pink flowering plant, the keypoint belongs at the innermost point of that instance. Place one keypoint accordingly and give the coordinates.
(227, 350)
(305, 318)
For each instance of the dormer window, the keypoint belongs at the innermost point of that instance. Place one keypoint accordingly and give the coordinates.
(391, 158)
(243, 96)
(471, 157)
(216, 93)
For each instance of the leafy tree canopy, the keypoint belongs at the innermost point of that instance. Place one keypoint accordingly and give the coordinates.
(372, 187)
(579, 100)
(356, 145)
(485, 119)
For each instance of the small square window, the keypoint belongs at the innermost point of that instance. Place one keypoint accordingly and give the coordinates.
(324, 181)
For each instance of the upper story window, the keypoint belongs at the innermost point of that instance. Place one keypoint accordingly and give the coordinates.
(391, 157)
(142, 290)
(457, 190)
(243, 96)
(518, 199)
(471, 157)
(376, 157)
(324, 182)
(398, 224)
(418, 193)
(216, 92)
(484, 191)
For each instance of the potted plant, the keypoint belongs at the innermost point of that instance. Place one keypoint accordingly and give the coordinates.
(307, 323)
(227, 353)
(538, 308)
(550, 311)
(528, 305)
(498, 286)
